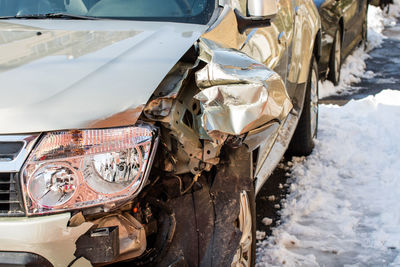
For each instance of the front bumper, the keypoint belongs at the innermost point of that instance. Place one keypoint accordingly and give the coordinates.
(22, 259)
(47, 236)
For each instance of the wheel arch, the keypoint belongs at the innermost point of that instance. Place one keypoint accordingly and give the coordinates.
(317, 50)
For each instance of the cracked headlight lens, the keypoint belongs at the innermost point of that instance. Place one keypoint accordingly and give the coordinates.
(82, 168)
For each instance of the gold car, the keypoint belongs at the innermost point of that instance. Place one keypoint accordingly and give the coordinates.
(141, 131)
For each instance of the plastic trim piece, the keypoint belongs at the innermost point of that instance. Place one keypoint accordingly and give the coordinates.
(15, 164)
(8, 258)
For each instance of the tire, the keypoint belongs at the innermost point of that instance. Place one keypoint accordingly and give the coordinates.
(335, 61)
(302, 142)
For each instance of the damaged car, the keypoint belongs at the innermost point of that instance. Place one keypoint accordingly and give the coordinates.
(140, 131)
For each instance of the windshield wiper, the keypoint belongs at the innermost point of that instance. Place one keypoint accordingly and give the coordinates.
(58, 15)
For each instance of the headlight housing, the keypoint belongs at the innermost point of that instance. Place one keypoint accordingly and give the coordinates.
(82, 168)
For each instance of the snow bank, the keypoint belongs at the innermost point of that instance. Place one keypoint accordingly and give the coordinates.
(353, 69)
(343, 207)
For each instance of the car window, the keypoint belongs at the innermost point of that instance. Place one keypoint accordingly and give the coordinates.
(192, 11)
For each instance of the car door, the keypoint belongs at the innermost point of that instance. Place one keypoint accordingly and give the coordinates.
(267, 44)
(270, 45)
(352, 22)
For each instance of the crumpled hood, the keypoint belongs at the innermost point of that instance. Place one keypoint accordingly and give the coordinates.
(68, 74)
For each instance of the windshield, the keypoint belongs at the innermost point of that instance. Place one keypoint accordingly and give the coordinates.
(190, 11)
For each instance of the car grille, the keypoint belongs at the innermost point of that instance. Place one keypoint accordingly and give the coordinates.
(11, 203)
(10, 197)
(14, 150)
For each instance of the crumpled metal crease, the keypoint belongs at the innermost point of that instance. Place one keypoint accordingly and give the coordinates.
(164, 96)
(238, 93)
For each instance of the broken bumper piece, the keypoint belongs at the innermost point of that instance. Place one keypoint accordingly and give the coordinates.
(45, 239)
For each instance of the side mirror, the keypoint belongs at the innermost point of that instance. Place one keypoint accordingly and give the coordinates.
(260, 13)
(262, 8)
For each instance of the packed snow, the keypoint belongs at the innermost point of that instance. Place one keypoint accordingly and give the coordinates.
(343, 206)
(344, 201)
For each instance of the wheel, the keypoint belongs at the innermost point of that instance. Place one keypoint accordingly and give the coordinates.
(302, 142)
(245, 254)
(335, 61)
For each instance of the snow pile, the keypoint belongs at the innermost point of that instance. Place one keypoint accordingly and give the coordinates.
(267, 221)
(343, 207)
(353, 69)
(378, 19)
(260, 235)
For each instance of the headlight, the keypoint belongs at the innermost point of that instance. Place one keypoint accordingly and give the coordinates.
(83, 168)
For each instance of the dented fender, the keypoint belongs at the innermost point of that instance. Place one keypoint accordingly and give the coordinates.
(238, 94)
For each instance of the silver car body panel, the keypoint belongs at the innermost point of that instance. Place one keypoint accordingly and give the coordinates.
(59, 74)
